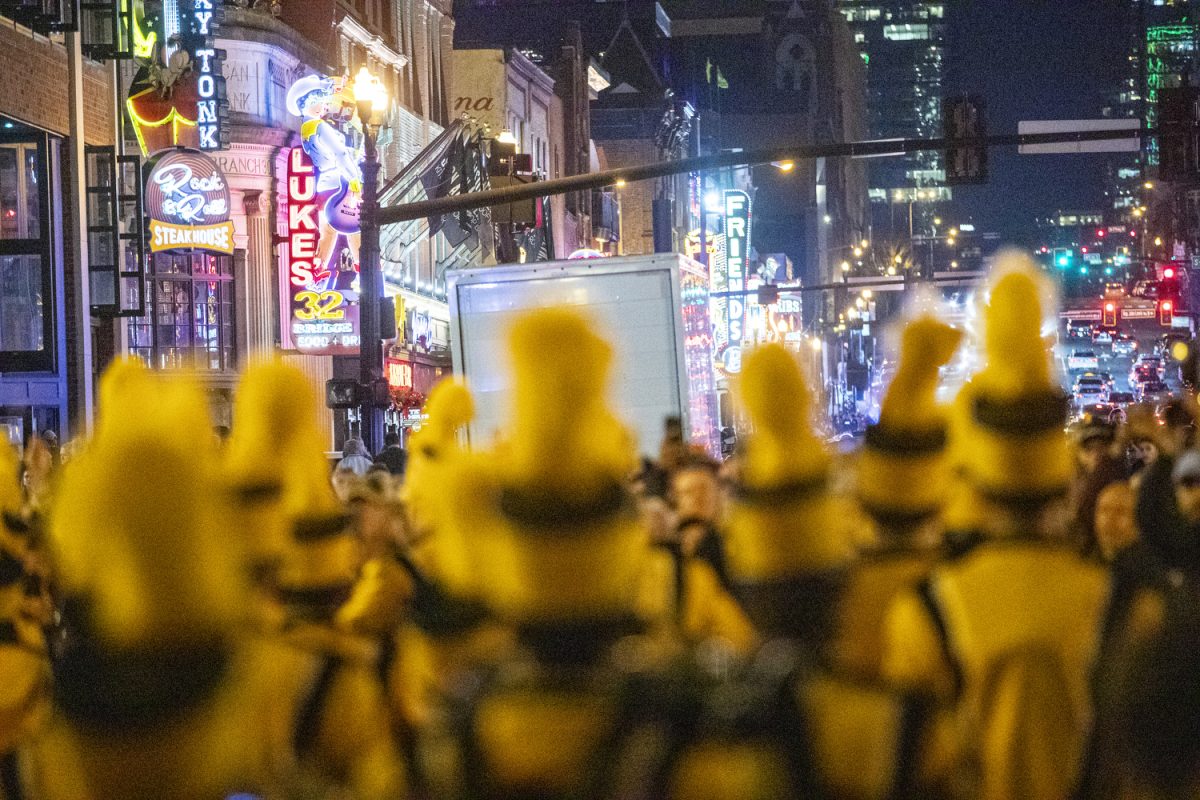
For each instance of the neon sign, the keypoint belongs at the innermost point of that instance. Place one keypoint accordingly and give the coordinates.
(209, 83)
(737, 248)
(177, 97)
(323, 320)
(399, 374)
(187, 201)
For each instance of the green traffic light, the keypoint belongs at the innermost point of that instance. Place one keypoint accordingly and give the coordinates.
(1083, 270)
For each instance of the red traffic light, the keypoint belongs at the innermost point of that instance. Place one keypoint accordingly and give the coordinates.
(1167, 305)
(1100, 233)
(1169, 272)
(1109, 307)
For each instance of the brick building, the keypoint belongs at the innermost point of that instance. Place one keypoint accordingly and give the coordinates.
(54, 103)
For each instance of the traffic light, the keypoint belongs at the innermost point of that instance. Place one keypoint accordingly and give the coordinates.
(1168, 287)
(965, 118)
(1166, 310)
(1109, 316)
(1062, 257)
(1178, 149)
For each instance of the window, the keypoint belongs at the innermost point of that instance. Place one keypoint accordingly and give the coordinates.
(906, 32)
(26, 284)
(190, 320)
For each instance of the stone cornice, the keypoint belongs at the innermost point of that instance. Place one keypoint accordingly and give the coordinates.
(265, 29)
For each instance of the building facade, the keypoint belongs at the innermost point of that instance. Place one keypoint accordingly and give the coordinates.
(902, 44)
(57, 101)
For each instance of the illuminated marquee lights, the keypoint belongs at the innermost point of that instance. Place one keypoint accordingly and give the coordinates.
(323, 322)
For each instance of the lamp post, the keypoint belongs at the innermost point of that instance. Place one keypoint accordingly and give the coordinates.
(371, 99)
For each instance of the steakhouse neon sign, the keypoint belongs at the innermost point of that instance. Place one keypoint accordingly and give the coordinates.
(322, 320)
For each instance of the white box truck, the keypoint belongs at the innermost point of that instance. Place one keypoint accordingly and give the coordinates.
(652, 308)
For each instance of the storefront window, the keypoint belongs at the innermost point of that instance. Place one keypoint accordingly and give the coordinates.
(190, 319)
(20, 209)
(26, 296)
(22, 313)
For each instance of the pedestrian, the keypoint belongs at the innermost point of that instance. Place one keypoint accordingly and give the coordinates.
(1113, 523)
(393, 456)
(355, 457)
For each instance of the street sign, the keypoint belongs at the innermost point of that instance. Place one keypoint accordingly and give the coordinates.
(1130, 145)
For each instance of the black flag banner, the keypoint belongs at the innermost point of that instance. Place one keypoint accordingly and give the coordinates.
(451, 164)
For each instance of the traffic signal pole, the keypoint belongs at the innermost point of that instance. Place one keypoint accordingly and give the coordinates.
(865, 149)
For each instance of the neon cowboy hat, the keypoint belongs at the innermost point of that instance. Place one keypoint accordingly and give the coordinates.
(297, 95)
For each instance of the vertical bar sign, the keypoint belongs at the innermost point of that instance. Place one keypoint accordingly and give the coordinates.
(209, 83)
(737, 249)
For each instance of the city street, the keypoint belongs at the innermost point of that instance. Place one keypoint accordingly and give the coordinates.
(597, 400)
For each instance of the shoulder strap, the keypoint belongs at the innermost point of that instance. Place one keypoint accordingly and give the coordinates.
(915, 716)
(308, 720)
(11, 785)
(925, 592)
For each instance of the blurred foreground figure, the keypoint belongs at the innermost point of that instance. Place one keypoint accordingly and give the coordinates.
(1009, 629)
(151, 682)
(567, 714)
(785, 724)
(902, 478)
(24, 660)
(321, 611)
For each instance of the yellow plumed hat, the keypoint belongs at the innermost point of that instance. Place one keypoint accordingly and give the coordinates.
(446, 492)
(276, 454)
(1011, 415)
(902, 469)
(273, 447)
(123, 381)
(138, 526)
(571, 545)
(12, 500)
(781, 521)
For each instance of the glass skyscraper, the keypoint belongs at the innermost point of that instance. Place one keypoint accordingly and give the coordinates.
(902, 43)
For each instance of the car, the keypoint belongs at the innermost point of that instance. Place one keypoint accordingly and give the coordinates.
(1102, 337)
(1089, 391)
(1140, 373)
(1124, 345)
(1121, 398)
(1079, 330)
(1103, 377)
(1083, 359)
(1155, 392)
(1151, 361)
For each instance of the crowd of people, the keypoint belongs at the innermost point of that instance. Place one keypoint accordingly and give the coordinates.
(980, 602)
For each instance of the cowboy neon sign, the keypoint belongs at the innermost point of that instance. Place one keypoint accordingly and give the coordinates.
(322, 321)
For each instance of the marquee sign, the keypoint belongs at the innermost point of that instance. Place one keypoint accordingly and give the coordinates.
(209, 82)
(177, 97)
(322, 308)
(187, 203)
(737, 253)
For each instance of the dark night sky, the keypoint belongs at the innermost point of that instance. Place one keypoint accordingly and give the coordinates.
(1034, 59)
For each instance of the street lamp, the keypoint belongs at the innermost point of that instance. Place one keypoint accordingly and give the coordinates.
(371, 99)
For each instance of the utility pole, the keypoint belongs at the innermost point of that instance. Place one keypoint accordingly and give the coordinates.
(77, 273)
